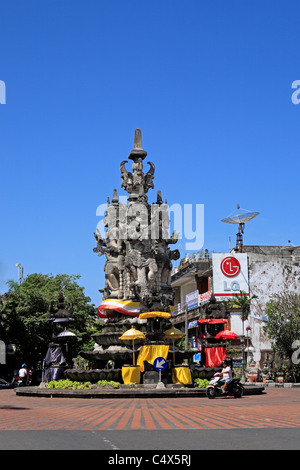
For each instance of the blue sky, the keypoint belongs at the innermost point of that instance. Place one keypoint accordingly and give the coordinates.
(207, 82)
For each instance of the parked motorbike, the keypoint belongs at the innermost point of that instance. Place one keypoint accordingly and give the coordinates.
(214, 389)
(5, 384)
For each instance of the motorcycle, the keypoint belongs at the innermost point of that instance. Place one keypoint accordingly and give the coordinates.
(19, 381)
(214, 389)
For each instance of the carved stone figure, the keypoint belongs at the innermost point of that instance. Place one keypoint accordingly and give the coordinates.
(127, 178)
(215, 309)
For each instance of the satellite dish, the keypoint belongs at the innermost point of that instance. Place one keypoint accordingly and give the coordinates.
(240, 217)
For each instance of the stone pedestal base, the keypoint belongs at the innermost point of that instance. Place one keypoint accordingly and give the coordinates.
(152, 377)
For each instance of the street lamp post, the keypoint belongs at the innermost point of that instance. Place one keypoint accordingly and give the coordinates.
(247, 345)
(242, 339)
(186, 327)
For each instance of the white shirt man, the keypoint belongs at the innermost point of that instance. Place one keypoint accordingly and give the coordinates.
(23, 373)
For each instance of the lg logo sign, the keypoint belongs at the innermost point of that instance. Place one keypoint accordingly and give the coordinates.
(230, 267)
(230, 274)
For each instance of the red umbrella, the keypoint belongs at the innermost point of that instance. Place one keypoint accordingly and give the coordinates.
(210, 321)
(226, 334)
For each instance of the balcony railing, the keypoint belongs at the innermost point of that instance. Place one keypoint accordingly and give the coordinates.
(179, 308)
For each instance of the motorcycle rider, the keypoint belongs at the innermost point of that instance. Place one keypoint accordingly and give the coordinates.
(24, 374)
(226, 374)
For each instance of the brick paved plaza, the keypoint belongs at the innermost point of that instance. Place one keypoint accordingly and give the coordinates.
(277, 408)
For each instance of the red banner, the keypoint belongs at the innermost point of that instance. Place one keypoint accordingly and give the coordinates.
(214, 356)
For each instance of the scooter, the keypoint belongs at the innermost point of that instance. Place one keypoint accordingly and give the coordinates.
(19, 381)
(214, 389)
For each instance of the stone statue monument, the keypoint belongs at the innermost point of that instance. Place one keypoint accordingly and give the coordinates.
(136, 243)
(137, 246)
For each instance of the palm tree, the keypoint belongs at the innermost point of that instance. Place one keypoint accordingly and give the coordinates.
(242, 301)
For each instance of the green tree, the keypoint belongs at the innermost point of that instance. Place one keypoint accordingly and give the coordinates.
(24, 314)
(283, 327)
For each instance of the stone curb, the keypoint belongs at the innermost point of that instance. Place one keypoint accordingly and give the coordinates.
(144, 392)
(282, 385)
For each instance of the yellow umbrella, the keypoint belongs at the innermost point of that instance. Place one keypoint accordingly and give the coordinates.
(173, 333)
(155, 315)
(132, 334)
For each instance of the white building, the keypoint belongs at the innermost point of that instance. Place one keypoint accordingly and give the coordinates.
(268, 270)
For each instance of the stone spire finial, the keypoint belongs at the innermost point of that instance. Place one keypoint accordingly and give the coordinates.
(115, 199)
(137, 141)
(137, 151)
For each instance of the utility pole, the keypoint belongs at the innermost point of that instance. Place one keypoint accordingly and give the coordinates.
(20, 272)
(186, 327)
